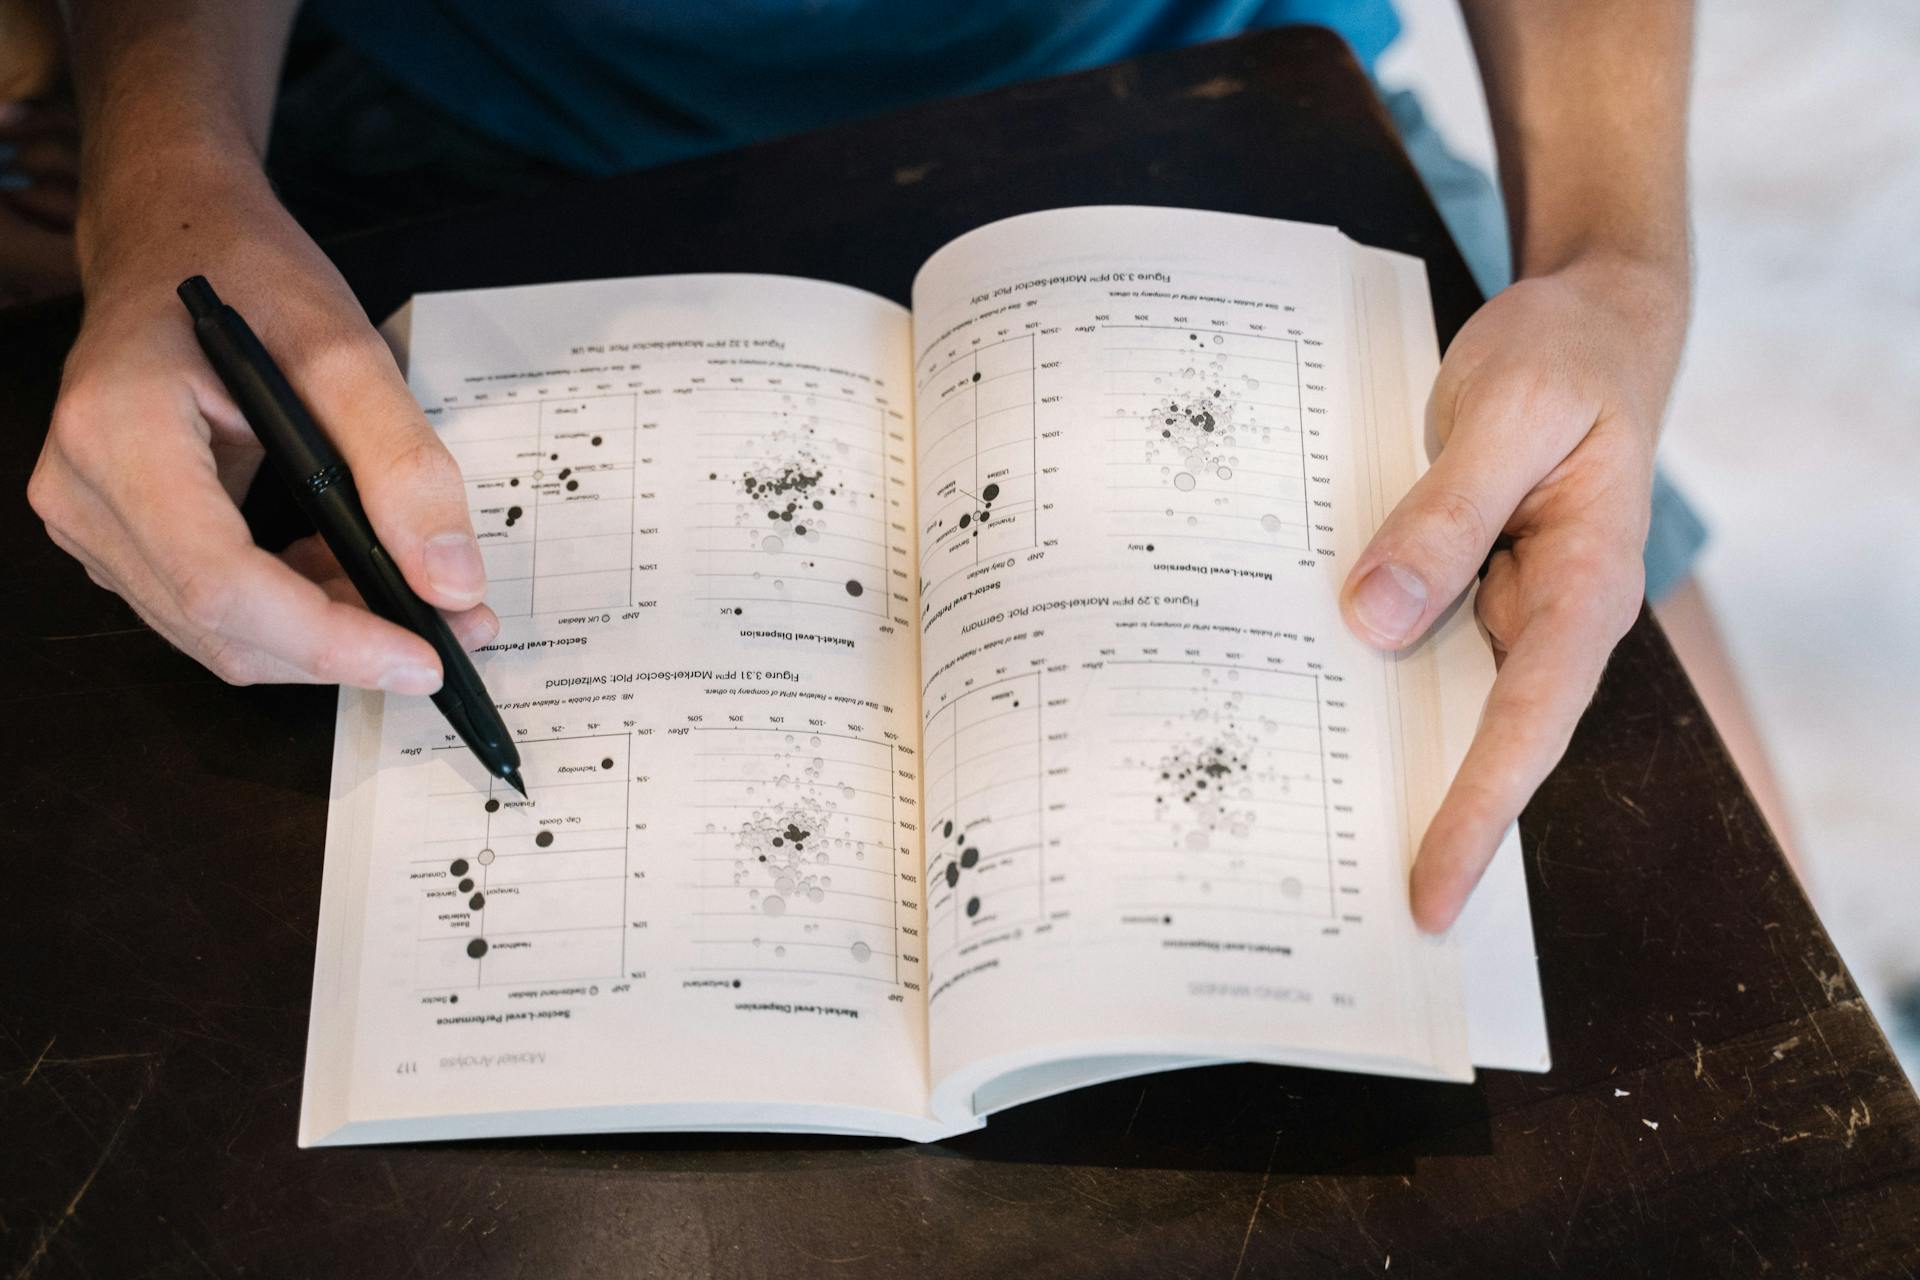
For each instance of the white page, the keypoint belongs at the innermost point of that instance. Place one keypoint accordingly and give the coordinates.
(1506, 1017)
(1142, 455)
(692, 496)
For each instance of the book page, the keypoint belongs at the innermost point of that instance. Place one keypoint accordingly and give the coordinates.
(1170, 798)
(1449, 674)
(693, 497)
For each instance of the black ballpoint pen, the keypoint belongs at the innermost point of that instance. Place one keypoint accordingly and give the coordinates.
(322, 486)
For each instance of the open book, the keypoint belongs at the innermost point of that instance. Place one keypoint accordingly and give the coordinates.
(921, 712)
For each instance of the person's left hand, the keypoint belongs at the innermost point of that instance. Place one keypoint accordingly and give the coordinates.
(1548, 405)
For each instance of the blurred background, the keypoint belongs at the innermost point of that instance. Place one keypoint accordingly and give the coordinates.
(1795, 427)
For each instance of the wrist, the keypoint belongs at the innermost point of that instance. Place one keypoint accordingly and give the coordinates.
(1657, 254)
(1670, 255)
(1633, 308)
(146, 213)
(1656, 285)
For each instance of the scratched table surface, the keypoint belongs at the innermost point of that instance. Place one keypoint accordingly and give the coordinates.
(1723, 1103)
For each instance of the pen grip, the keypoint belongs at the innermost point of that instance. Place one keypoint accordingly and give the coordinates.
(461, 697)
(370, 568)
(307, 461)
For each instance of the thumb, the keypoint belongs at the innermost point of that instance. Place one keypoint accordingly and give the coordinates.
(1431, 546)
(410, 483)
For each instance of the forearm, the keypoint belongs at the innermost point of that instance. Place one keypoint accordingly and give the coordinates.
(175, 96)
(1589, 106)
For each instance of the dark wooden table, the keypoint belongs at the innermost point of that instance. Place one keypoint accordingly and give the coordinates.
(162, 840)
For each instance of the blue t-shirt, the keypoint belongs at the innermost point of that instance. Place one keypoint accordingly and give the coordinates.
(606, 85)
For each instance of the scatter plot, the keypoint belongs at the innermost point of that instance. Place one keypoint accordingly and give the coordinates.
(798, 853)
(517, 890)
(1204, 788)
(978, 459)
(1220, 799)
(796, 493)
(1208, 438)
(550, 486)
(986, 846)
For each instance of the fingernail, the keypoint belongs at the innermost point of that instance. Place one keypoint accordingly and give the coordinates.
(14, 181)
(1389, 603)
(409, 677)
(454, 565)
(476, 628)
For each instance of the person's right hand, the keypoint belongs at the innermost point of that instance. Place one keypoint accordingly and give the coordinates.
(147, 457)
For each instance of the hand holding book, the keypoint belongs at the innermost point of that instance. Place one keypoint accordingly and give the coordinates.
(1546, 408)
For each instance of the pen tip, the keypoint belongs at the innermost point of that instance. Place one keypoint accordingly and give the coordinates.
(513, 780)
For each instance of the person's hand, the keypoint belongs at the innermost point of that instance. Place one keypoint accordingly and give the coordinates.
(147, 456)
(1548, 405)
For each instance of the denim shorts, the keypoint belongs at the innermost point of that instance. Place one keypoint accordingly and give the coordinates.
(1470, 205)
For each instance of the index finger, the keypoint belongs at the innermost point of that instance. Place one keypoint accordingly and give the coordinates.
(254, 618)
(409, 481)
(1551, 670)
